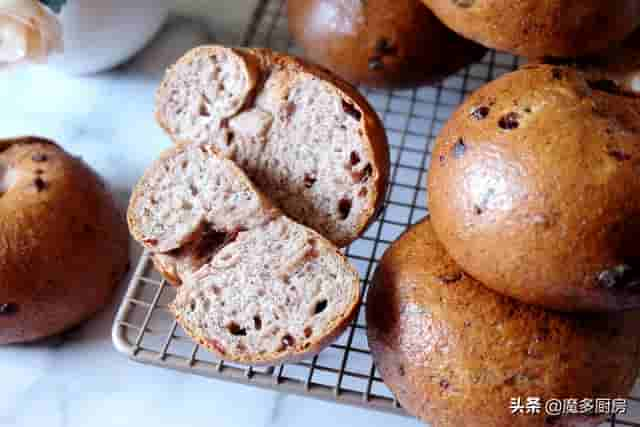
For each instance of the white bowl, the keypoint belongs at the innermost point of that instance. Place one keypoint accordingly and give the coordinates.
(101, 34)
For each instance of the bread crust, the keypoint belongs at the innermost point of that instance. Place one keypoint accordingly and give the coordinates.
(378, 43)
(64, 246)
(262, 62)
(531, 189)
(618, 67)
(454, 352)
(166, 266)
(533, 28)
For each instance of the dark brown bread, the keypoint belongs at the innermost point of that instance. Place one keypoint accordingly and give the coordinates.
(455, 353)
(616, 69)
(307, 139)
(532, 189)
(63, 244)
(379, 43)
(534, 28)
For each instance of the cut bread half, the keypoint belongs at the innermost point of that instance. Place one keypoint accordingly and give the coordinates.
(256, 287)
(305, 137)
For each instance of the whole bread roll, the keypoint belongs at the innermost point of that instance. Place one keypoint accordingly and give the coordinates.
(455, 353)
(534, 28)
(532, 189)
(63, 244)
(398, 44)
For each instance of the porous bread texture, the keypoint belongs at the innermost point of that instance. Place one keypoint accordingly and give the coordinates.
(275, 291)
(256, 287)
(223, 76)
(189, 190)
(309, 141)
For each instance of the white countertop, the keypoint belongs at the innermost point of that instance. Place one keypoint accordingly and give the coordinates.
(79, 379)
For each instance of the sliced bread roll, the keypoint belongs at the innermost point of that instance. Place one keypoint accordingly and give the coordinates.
(306, 138)
(257, 288)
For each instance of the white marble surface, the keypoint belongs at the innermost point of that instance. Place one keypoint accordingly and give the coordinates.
(79, 379)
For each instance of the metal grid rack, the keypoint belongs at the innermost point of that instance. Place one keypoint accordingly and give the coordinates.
(145, 330)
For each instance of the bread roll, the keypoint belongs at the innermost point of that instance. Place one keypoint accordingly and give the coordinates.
(378, 43)
(532, 189)
(63, 244)
(455, 353)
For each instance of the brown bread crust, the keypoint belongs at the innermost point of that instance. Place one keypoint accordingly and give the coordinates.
(167, 267)
(455, 353)
(378, 43)
(617, 68)
(63, 244)
(532, 190)
(533, 28)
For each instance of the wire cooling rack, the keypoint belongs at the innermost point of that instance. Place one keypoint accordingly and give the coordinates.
(146, 331)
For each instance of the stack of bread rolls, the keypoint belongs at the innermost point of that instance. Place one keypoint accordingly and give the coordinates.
(524, 282)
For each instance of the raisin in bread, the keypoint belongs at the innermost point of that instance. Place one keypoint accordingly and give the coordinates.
(257, 287)
(306, 138)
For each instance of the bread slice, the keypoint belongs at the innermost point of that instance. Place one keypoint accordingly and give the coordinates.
(257, 288)
(306, 138)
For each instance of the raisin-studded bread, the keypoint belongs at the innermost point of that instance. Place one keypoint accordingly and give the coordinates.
(307, 139)
(257, 287)
(64, 246)
(455, 353)
(562, 237)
